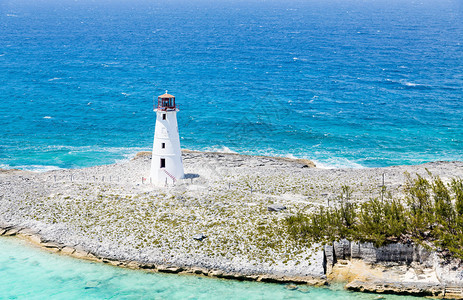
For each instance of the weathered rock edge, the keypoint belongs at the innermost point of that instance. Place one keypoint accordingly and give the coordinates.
(302, 161)
(405, 288)
(35, 238)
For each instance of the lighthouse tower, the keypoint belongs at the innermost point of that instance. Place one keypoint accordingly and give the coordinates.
(166, 163)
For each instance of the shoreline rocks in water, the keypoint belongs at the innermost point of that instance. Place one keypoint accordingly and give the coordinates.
(113, 215)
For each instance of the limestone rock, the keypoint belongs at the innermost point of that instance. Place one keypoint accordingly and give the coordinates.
(342, 249)
(276, 207)
(68, 250)
(36, 239)
(403, 288)
(80, 254)
(215, 273)
(198, 271)
(28, 232)
(304, 290)
(199, 237)
(147, 266)
(52, 245)
(291, 287)
(392, 253)
(273, 279)
(133, 265)
(169, 269)
(4, 226)
(11, 232)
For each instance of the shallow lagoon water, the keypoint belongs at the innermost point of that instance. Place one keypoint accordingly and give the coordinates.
(28, 272)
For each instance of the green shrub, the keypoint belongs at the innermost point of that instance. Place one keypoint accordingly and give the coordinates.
(431, 214)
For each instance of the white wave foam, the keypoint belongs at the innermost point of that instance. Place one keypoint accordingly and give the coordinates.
(291, 156)
(129, 156)
(223, 149)
(333, 163)
(47, 117)
(53, 79)
(406, 83)
(410, 83)
(413, 84)
(39, 168)
(33, 168)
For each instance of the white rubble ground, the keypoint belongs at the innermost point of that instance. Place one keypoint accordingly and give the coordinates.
(111, 211)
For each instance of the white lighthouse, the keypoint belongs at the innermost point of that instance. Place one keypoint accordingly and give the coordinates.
(166, 162)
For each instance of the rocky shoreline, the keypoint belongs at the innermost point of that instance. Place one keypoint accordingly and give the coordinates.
(80, 253)
(222, 220)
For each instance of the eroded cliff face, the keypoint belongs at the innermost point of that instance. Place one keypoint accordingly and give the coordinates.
(392, 253)
(394, 268)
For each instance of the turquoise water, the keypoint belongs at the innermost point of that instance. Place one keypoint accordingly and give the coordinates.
(345, 83)
(31, 273)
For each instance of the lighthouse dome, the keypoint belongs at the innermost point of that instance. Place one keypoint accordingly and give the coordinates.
(165, 95)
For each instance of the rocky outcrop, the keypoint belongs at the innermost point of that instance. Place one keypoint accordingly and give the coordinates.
(406, 269)
(402, 288)
(276, 207)
(392, 253)
(305, 163)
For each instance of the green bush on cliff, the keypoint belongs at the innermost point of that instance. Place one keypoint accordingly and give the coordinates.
(431, 215)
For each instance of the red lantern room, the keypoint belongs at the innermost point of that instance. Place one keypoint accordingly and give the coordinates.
(166, 102)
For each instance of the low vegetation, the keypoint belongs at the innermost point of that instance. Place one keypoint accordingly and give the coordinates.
(431, 214)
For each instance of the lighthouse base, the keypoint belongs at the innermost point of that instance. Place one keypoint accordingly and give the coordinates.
(166, 171)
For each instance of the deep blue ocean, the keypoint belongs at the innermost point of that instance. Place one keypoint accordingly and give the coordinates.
(345, 83)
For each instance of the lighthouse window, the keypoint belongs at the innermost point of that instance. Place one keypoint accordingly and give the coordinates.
(163, 145)
(163, 162)
(163, 116)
